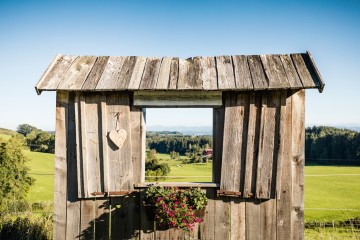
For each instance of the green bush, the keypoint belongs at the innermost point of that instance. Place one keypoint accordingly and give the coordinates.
(29, 227)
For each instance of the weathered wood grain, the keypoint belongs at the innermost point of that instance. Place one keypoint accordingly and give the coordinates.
(147, 227)
(110, 74)
(207, 230)
(60, 180)
(222, 218)
(95, 73)
(88, 216)
(284, 202)
(303, 71)
(218, 133)
(253, 219)
(79, 145)
(104, 143)
(174, 73)
(268, 219)
(101, 220)
(257, 73)
(136, 142)
(252, 145)
(177, 99)
(76, 75)
(137, 73)
(298, 161)
(318, 77)
(143, 143)
(242, 73)
(123, 80)
(54, 73)
(164, 74)
(291, 72)
(275, 72)
(234, 123)
(237, 219)
(225, 72)
(151, 73)
(267, 144)
(208, 76)
(190, 74)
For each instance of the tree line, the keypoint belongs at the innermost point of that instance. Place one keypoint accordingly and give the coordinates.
(36, 139)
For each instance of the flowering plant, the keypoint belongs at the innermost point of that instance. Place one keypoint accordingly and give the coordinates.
(174, 207)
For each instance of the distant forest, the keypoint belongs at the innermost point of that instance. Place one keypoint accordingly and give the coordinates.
(323, 145)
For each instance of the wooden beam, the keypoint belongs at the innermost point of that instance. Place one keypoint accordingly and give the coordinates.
(177, 99)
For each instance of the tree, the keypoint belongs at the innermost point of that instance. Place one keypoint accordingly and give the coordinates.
(14, 179)
(25, 129)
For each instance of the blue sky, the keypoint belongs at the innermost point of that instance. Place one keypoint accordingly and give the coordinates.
(33, 32)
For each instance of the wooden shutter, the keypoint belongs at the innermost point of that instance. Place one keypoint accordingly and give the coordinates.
(252, 143)
(103, 168)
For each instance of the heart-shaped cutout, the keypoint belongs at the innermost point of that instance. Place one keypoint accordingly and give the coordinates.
(118, 137)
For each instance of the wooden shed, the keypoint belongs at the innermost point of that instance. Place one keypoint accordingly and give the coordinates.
(258, 105)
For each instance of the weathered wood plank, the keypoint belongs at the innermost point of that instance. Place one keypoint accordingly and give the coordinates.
(242, 73)
(104, 143)
(237, 219)
(268, 219)
(95, 73)
(298, 160)
(53, 75)
(164, 74)
(83, 163)
(303, 71)
(257, 72)
(321, 82)
(76, 75)
(268, 142)
(87, 219)
(73, 203)
(218, 139)
(275, 72)
(174, 73)
(120, 164)
(284, 202)
(190, 74)
(208, 75)
(136, 142)
(290, 71)
(225, 72)
(110, 74)
(123, 80)
(137, 73)
(252, 145)
(143, 144)
(252, 219)
(233, 152)
(207, 229)
(101, 220)
(222, 218)
(177, 99)
(146, 227)
(151, 73)
(60, 183)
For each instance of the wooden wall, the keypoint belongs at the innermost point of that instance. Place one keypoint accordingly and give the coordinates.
(123, 217)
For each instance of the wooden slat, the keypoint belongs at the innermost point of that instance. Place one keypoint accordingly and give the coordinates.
(120, 164)
(237, 219)
(174, 73)
(233, 152)
(252, 219)
(143, 144)
(225, 72)
(207, 231)
(123, 80)
(190, 74)
(177, 99)
(110, 74)
(147, 227)
(136, 142)
(137, 73)
(60, 180)
(268, 219)
(284, 202)
(151, 73)
(297, 167)
(80, 104)
(104, 143)
(303, 71)
(317, 72)
(222, 218)
(242, 73)
(290, 71)
(101, 218)
(53, 75)
(268, 142)
(88, 214)
(218, 132)
(95, 74)
(275, 72)
(77, 73)
(164, 74)
(257, 72)
(73, 204)
(208, 75)
(252, 145)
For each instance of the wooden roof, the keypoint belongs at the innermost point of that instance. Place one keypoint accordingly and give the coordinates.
(224, 73)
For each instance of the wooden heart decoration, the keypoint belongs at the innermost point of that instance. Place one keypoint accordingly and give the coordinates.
(118, 137)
